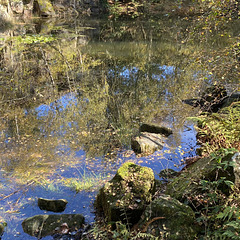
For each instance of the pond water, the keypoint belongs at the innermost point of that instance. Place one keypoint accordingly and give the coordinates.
(76, 94)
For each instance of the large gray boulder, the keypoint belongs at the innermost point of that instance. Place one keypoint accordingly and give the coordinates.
(169, 218)
(44, 225)
(127, 194)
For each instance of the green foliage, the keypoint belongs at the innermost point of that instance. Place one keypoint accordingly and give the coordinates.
(35, 39)
(220, 213)
(100, 231)
(219, 130)
(121, 232)
(118, 8)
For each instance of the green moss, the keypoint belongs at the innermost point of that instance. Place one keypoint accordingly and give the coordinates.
(130, 189)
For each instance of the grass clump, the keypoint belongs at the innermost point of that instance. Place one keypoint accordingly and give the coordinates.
(85, 182)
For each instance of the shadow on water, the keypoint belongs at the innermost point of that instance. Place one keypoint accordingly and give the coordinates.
(74, 97)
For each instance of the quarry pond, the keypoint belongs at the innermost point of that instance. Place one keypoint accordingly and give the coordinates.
(77, 94)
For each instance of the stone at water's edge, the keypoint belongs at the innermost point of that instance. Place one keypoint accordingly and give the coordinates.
(58, 205)
(42, 7)
(169, 218)
(214, 98)
(151, 138)
(44, 225)
(147, 143)
(127, 194)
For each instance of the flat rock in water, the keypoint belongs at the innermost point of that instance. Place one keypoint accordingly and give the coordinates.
(147, 143)
(43, 225)
(58, 205)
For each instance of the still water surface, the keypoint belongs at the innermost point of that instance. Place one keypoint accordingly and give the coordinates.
(77, 95)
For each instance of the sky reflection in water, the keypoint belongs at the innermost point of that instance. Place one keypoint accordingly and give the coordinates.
(169, 157)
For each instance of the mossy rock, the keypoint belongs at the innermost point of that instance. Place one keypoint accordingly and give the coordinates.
(169, 218)
(209, 169)
(127, 194)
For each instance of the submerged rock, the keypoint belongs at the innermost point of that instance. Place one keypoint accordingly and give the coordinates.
(169, 218)
(44, 225)
(126, 195)
(52, 205)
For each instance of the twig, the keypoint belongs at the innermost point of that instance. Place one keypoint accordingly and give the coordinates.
(16, 122)
(151, 221)
(13, 100)
(16, 191)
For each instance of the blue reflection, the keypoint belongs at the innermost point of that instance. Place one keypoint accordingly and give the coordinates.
(59, 105)
(162, 72)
